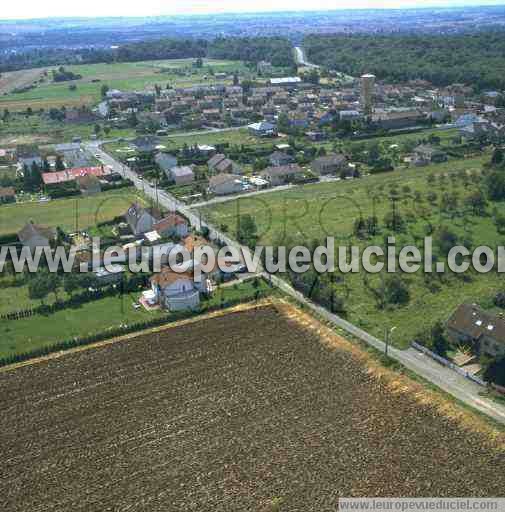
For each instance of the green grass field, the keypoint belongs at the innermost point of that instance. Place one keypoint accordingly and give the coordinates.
(37, 129)
(19, 336)
(313, 212)
(128, 76)
(70, 214)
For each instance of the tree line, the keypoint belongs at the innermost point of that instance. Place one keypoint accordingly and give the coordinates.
(251, 49)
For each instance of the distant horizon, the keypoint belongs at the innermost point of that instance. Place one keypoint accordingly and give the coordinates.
(200, 9)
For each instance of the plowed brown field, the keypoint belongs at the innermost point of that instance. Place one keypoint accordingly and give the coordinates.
(229, 414)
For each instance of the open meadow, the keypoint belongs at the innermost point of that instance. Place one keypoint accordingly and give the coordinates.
(217, 415)
(126, 76)
(426, 201)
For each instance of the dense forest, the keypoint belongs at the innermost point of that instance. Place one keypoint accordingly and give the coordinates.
(275, 49)
(477, 58)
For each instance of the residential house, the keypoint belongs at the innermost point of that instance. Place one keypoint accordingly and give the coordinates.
(315, 136)
(213, 161)
(330, 164)
(33, 235)
(172, 225)
(146, 143)
(473, 326)
(324, 118)
(224, 184)
(206, 149)
(176, 291)
(140, 219)
(165, 162)
(281, 174)
(28, 155)
(298, 119)
(278, 158)
(396, 119)
(7, 195)
(219, 164)
(426, 154)
(262, 129)
(182, 175)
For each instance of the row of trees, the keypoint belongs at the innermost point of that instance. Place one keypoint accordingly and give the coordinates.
(252, 49)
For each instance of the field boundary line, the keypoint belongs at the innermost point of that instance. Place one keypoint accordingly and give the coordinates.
(396, 381)
(246, 306)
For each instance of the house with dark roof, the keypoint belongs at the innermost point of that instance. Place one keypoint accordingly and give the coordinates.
(182, 175)
(29, 155)
(471, 325)
(213, 161)
(165, 162)
(330, 164)
(141, 220)
(262, 129)
(278, 158)
(33, 235)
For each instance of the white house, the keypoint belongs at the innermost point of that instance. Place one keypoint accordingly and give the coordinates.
(177, 291)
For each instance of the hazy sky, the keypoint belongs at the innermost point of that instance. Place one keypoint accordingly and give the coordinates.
(55, 8)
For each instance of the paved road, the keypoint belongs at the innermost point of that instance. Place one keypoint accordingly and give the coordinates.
(442, 377)
(301, 60)
(245, 195)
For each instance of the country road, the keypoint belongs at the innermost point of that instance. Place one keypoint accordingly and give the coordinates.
(444, 378)
(301, 60)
